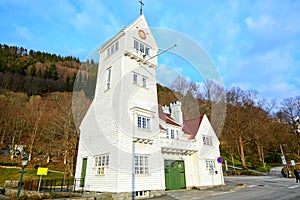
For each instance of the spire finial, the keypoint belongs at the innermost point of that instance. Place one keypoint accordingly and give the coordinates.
(141, 8)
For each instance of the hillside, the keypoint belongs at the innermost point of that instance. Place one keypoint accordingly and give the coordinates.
(37, 73)
(36, 99)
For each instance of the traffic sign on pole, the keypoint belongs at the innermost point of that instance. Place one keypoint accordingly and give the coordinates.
(220, 159)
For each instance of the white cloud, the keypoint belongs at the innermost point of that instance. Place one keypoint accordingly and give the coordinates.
(166, 75)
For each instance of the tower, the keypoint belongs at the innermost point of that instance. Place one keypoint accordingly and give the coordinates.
(119, 150)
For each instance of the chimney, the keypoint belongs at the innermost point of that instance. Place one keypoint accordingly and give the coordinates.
(166, 109)
(176, 112)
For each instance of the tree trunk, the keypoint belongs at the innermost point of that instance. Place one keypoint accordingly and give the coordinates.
(242, 155)
(258, 146)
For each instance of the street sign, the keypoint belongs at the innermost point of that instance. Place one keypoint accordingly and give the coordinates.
(220, 159)
(42, 171)
(293, 162)
(283, 160)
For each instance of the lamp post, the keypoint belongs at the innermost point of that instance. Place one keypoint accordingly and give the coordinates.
(24, 163)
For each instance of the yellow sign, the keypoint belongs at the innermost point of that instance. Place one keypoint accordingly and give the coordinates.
(42, 171)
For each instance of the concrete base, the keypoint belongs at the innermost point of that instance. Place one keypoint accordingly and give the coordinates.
(131, 195)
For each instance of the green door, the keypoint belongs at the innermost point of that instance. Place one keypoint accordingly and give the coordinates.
(83, 172)
(174, 174)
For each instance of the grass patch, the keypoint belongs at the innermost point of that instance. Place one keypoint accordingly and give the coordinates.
(30, 174)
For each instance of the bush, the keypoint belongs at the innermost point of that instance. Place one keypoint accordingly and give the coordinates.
(9, 164)
(273, 158)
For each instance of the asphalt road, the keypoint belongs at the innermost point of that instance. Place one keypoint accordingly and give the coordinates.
(243, 187)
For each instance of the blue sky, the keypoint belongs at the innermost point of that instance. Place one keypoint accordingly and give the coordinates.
(254, 44)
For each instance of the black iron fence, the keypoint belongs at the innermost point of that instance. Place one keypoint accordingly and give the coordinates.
(54, 185)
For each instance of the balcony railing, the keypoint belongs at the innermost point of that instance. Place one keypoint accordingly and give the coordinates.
(177, 146)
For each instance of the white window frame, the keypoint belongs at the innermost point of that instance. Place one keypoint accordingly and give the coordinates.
(108, 78)
(135, 78)
(107, 52)
(112, 49)
(141, 164)
(172, 134)
(101, 162)
(116, 46)
(142, 47)
(136, 44)
(144, 82)
(207, 141)
(177, 134)
(143, 122)
(167, 133)
(210, 165)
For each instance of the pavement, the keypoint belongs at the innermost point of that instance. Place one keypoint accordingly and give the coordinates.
(230, 186)
(192, 194)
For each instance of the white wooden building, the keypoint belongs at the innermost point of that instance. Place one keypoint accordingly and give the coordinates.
(126, 147)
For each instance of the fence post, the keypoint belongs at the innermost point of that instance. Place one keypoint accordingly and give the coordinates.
(74, 185)
(62, 183)
(67, 185)
(82, 187)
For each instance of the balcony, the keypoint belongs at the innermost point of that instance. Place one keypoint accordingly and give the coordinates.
(178, 146)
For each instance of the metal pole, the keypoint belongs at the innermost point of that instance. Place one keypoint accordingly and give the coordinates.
(287, 167)
(40, 183)
(20, 183)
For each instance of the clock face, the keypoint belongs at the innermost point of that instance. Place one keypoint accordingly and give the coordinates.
(142, 34)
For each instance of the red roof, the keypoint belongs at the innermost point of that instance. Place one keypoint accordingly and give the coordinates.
(191, 126)
(167, 118)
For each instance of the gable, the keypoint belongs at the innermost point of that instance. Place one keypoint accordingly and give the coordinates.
(140, 30)
(191, 126)
(205, 129)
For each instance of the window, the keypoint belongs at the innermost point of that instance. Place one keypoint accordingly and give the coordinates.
(135, 77)
(136, 45)
(147, 50)
(207, 141)
(108, 52)
(177, 134)
(112, 49)
(144, 82)
(141, 47)
(141, 164)
(116, 46)
(210, 165)
(143, 122)
(172, 133)
(108, 78)
(141, 193)
(101, 162)
(167, 133)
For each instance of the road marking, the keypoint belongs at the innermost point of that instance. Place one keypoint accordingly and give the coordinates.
(252, 186)
(292, 187)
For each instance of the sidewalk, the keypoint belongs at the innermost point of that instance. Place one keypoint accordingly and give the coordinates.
(199, 194)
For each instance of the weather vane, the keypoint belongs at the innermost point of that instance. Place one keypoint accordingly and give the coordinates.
(141, 9)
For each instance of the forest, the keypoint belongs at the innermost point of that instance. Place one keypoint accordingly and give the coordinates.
(36, 111)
